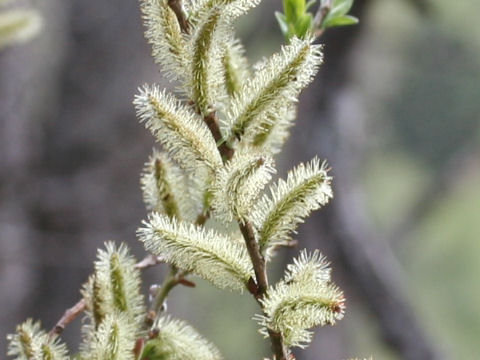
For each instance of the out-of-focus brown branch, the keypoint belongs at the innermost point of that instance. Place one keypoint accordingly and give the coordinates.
(429, 198)
(257, 259)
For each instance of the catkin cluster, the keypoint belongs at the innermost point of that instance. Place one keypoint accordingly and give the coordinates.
(217, 135)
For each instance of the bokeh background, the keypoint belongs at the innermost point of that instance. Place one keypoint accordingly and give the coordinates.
(395, 109)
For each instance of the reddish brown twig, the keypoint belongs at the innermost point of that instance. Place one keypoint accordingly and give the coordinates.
(176, 6)
(148, 261)
(259, 267)
(212, 122)
(259, 285)
(69, 315)
(72, 313)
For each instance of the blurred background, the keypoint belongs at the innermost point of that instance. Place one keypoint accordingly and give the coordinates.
(395, 110)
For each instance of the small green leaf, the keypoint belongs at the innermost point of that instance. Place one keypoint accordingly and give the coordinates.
(299, 7)
(289, 7)
(282, 22)
(340, 7)
(341, 21)
(303, 25)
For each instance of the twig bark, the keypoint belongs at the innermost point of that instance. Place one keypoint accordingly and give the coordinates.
(148, 261)
(174, 278)
(72, 313)
(69, 315)
(258, 261)
(212, 122)
(176, 6)
(320, 16)
(259, 267)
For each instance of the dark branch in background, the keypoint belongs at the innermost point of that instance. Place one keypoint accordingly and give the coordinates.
(426, 201)
(423, 6)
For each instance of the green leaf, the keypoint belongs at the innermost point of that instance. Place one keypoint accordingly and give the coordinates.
(282, 22)
(303, 25)
(289, 7)
(296, 21)
(340, 8)
(341, 21)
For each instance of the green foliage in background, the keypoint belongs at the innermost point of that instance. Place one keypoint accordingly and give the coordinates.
(426, 105)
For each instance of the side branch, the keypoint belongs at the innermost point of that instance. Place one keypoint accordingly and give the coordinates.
(69, 315)
(176, 6)
(320, 16)
(174, 278)
(259, 264)
(148, 261)
(259, 267)
(278, 347)
(72, 313)
(258, 260)
(212, 122)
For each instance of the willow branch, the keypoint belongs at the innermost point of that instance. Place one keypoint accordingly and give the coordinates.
(319, 18)
(260, 269)
(259, 264)
(148, 261)
(73, 312)
(176, 6)
(212, 122)
(258, 261)
(174, 278)
(69, 315)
